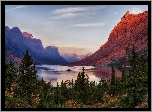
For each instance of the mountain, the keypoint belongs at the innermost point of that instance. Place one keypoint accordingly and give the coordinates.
(132, 29)
(80, 57)
(73, 57)
(70, 57)
(52, 52)
(16, 43)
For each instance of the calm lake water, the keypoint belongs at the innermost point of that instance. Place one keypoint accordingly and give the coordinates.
(57, 73)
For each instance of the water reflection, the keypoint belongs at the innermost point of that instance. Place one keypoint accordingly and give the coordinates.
(57, 73)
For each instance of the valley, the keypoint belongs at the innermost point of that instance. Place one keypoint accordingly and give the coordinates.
(69, 56)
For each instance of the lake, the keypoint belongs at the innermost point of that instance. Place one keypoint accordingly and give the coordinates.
(57, 73)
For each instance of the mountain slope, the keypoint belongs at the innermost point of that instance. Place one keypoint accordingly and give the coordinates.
(132, 29)
(73, 57)
(16, 43)
(53, 53)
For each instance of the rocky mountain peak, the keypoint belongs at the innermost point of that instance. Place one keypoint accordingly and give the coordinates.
(127, 25)
(15, 29)
(131, 30)
(127, 13)
(52, 48)
(17, 43)
(25, 34)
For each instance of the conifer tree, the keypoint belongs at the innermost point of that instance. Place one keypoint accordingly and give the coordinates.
(123, 80)
(43, 93)
(137, 81)
(57, 96)
(27, 79)
(112, 82)
(81, 85)
(10, 74)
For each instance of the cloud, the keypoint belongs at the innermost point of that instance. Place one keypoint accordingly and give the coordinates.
(89, 25)
(72, 15)
(73, 12)
(135, 10)
(78, 49)
(76, 9)
(67, 15)
(74, 46)
(17, 7)
(115, 13)
(69, 10)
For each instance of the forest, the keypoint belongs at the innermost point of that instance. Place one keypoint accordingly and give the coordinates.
(24, 90)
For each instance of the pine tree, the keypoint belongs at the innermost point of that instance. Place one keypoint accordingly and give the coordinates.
(44, 86)
(82, 87)
(112, 82)
(123, 80)
(44, 92)
(10, 74)
(57, 97)
(27, 79)
(137, 81)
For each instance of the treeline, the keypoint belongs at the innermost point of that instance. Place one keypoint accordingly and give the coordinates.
(23, 90)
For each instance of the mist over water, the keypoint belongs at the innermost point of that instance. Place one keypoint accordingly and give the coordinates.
(57, 73)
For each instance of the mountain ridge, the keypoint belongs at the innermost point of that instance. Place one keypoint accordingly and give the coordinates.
(16, 43)
(74, 57)
(131, 30)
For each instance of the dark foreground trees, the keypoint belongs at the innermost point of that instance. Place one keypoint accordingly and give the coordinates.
(136, 81)
(27, 79)
(10, 75)
(23, 90)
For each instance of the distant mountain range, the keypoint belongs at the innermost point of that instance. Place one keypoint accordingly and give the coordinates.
(16, 43)
(131, 30)
(74, 57)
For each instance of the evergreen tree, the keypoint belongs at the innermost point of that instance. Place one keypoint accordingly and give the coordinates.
(123, 80)
(137, 81)
(57, 97)
(112, 82)
(44, 93)
(66, 90)
(27, 79)
(44, 87)
(10, 74)
(98, 90)
(81, 85)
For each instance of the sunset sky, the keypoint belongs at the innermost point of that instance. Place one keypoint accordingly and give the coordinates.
(79, 29)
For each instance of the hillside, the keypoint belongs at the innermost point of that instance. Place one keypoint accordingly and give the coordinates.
(74, 57)
(132, 29)
(16, 43)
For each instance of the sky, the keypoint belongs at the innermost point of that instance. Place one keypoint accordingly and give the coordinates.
(79, 29)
